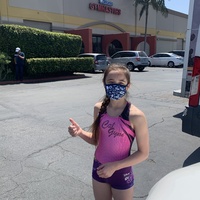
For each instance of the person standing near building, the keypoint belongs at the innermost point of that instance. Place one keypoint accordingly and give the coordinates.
(19, 58)
(15, 62)
(116, 124)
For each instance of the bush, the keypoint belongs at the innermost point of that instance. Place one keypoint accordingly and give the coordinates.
(5, 71)
(36, 43)
(46, 52)
(38, 66)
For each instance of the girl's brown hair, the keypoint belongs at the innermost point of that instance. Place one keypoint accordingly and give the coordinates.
(106, 100)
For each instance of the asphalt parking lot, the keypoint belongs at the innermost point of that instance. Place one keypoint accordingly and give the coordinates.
(40, 161)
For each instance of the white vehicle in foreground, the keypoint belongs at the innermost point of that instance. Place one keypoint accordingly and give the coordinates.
(181, 184)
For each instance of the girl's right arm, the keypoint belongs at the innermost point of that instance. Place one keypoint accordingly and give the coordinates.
(75, 130)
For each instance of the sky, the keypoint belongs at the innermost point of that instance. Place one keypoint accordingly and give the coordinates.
(178, 5)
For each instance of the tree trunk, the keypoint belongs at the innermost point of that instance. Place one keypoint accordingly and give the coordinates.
(146, 22)
(135, 20)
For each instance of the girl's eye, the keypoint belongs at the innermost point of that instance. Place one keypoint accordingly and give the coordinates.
(114, 82)
(122, 83)
(110, 82)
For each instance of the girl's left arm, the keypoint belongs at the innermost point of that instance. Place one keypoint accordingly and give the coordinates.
(139, 122)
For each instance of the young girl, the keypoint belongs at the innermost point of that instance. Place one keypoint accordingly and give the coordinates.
(116, 123)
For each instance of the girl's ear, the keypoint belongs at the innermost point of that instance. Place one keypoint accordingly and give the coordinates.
(128, 86)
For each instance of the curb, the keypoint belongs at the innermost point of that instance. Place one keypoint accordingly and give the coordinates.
(43, 80)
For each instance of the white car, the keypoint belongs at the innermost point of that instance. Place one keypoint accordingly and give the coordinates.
(166, 59)
(181, 184)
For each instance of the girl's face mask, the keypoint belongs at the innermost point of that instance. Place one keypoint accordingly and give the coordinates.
(115, 91)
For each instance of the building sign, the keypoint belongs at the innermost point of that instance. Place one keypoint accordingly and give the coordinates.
(105, 2)
(105, 6)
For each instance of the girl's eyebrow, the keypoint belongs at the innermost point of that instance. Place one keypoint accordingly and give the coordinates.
(110, 79)
(122, 80)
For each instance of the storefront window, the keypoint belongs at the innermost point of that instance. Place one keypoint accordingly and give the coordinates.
(97, 44)
(114, 46)
(82, 48)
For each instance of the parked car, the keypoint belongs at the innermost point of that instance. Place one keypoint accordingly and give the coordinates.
(132, 59)
(166, 59)
(181, 184)
(178, 52)
(100, 60)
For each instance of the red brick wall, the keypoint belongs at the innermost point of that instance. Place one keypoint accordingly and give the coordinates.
(86, 35)
(123, 38)
(151, 40)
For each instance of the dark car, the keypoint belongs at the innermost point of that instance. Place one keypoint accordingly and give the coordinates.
(178, 52)
(100, 60)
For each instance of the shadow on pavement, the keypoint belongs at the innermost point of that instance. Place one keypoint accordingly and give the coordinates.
(193, 158)
(179, 115)
(46, 79)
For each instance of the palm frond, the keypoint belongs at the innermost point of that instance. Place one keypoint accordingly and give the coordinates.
(158, 5)
(143, 9)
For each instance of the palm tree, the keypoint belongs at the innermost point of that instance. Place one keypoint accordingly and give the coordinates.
(158, 5)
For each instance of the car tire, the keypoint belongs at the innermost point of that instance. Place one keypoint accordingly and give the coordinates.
(130, 66)
(150, 65)
(141, 69)
(170, 64)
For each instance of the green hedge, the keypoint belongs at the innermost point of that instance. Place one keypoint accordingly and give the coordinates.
(5, 71)
(36, 43)
(38, 66)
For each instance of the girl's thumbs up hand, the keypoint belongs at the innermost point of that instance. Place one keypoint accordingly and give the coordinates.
(74, 129)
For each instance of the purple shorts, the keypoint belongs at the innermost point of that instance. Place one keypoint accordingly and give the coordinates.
(121, 179)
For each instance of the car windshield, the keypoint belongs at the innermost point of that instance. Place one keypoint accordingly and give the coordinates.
(179, 53)
(174, 55)
(87, 56)
(101, 57)
(142, 54)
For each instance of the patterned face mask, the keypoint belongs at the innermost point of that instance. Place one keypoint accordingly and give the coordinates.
(115, 91)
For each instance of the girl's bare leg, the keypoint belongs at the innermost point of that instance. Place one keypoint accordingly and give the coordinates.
(123, 194)
(102, 191)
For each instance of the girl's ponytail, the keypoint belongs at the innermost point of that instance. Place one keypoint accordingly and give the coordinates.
(95, 125)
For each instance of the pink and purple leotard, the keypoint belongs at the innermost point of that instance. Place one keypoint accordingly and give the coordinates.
(116, 137)
(115, 141)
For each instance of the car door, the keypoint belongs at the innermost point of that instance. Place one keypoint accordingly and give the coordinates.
(165, 59)
(116, 58)
(155, 59)
(127, 57)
